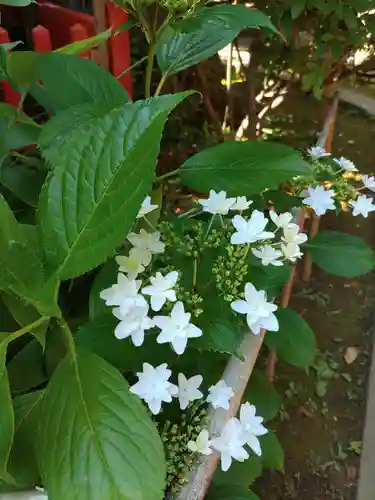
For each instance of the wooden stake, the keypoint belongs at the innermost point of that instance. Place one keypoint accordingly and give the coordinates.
(285, 298)
(100, 54)
(325, 141)
(236, 375)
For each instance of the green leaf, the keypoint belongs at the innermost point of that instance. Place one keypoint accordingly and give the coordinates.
(239, 474)
(341, 254)
(262, 394)
(104, 164)
(204, 33)
(23, 180)
(297, 8)
(105, 278)
(100, 431)
(98, 337)
(221, 329)
(295, 341)
(16, 3)
(272, 452)
(22, 461)
(25, 314)
(127, 25)
(26, 368)
(6, 413)
(268, 278)
(84, 80)
(81, 46)
(242, 168)
(230, 492)
(25, 281)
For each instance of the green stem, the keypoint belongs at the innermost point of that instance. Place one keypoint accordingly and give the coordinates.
(150, 66)
(209, 226)
(195, 270)
(28, 328)
(161, 83)
(167, 175)
(132, 67)
(68, 337)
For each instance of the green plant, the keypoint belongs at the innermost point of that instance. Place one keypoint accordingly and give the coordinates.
(96, 246)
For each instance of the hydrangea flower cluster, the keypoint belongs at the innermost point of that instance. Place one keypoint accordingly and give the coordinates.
(336, 188)
(147, 303)
(234, 436)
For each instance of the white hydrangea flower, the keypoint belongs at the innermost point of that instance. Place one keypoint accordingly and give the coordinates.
(252, 426)
(231, 443)
(146, 207)
(317, 152)
(268, 255)
(241, 204)
(217, 203)
(202, 444)
(153, 386)
(259, 312)
(123, 294)
(291, 251)
(161, 289)
(320, 199)
(368, 182)
(133, 324)
(345, 164)
(292, 234)
(363, 205)
(282, 220)
(188, 389)
(148, 243)
(220, 395)
(131, 265)
(176, 328)
(250, 231)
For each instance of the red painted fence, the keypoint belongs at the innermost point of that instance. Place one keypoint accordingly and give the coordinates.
(58, 26)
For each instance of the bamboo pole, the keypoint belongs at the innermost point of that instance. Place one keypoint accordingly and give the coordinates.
(236, 375)
(325, 141)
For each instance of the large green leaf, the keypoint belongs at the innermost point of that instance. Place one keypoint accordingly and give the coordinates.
(92, 427)
(21, 265)
(98, 336)
(341, 254)
(81, 46)
(295, 341)
(83, 80)
(6, 413)
(106, 277)
(16, 3)
(24, 180)
(103, 167)
(261, 393)
(25, 314)
(204, 33)
(221, 329)
(239, 474)
(22, 461)
(268, 278)
(26, 368)
(230, 492)
(272, 452)
(242, 168)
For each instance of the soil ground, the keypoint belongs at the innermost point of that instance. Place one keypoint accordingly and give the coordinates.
(321, 423)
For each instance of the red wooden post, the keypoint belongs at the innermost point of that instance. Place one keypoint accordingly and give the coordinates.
(11, 96)
(42, 39)
(78, 32)
(119, 46)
